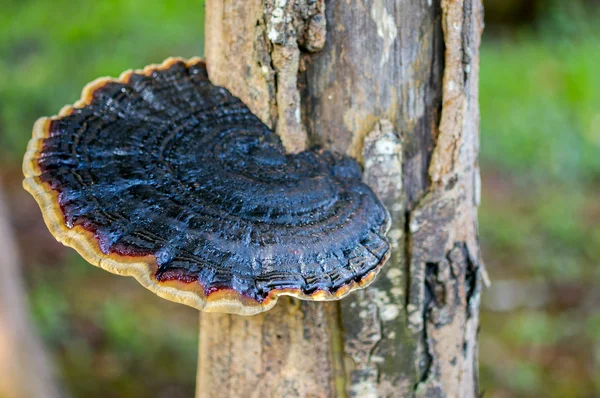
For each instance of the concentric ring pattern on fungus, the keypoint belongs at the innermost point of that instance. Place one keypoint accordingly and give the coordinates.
(163, 176)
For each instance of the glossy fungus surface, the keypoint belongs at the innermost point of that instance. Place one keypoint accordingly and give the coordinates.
(165, 177)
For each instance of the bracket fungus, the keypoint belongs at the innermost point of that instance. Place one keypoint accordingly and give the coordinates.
(165, 177)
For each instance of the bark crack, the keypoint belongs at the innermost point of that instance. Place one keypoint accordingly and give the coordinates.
(427, 360)
(443, 274)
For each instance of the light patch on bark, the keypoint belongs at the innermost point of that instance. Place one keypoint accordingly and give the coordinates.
(415, 107)
(278, 18)
(386, 28)
(371, 336)
(383, 160)
(395, 235)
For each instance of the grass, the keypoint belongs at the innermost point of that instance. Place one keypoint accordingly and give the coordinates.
(540, 106)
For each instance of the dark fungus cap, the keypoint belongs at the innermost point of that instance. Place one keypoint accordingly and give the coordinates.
(165, 177)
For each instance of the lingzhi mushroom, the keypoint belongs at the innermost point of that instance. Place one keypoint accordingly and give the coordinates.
(165, 177)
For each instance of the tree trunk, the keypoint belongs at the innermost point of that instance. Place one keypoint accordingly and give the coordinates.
(395, 85)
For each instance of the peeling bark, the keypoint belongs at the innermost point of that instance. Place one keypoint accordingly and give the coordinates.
(393, 84)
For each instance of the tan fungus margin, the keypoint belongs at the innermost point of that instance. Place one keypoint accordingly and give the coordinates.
(143, 268)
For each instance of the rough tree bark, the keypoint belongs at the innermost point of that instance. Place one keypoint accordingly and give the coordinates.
(395, 85)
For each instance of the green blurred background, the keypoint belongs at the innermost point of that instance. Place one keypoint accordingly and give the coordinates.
(540, 217)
